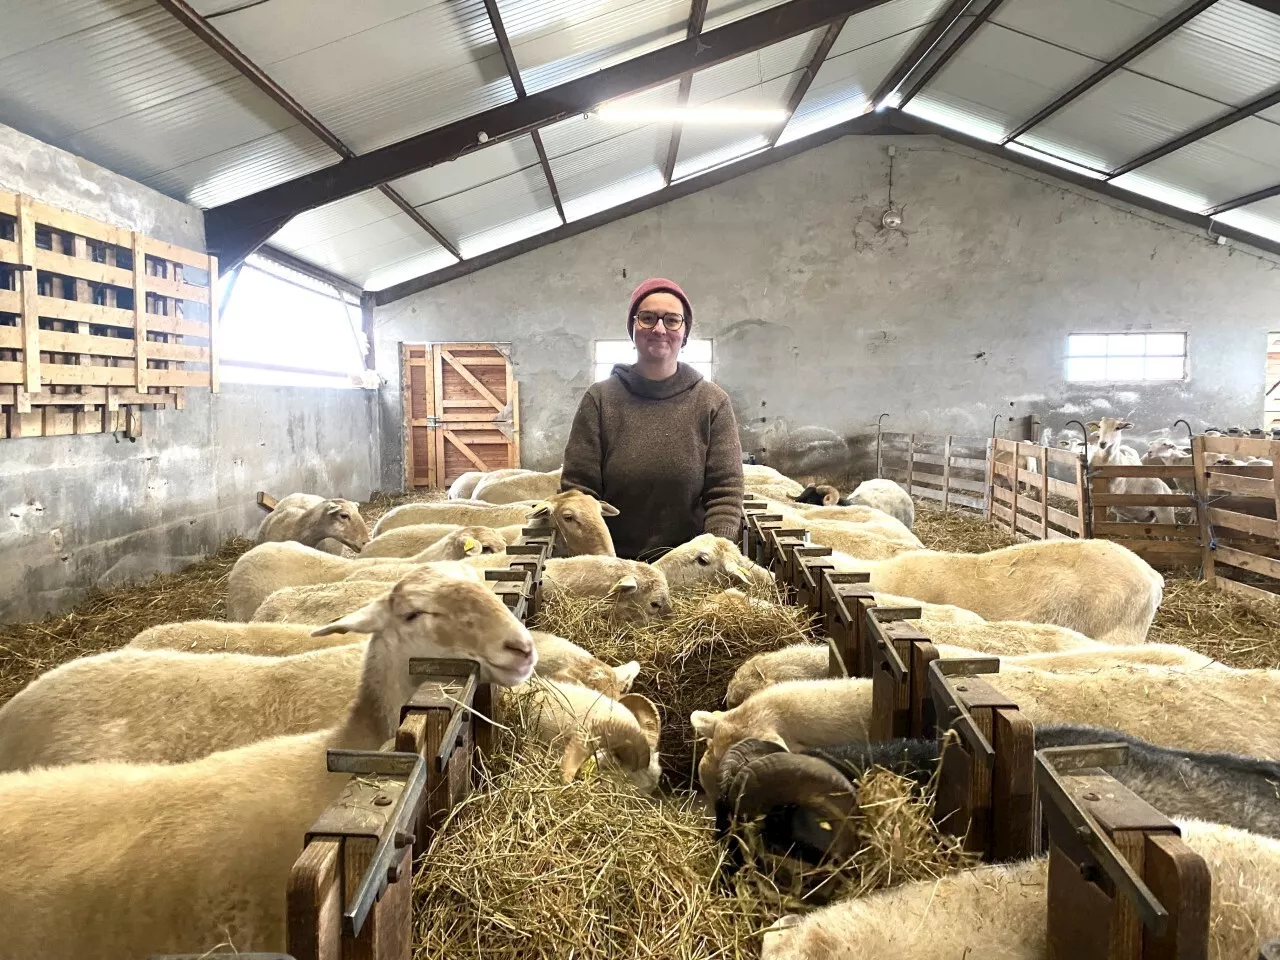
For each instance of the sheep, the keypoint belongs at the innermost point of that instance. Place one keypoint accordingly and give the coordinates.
(1000, 912)
(215, 636)
(185, 858)
(822, 495)
(120, 705)
(863, 541)
(708, 559)
(524, 486)
(310, 520)
(1165, 452)
(876, 520)
(561, 659)
(463, 512)
(887, 496)
(1112, 452)
(637, 591)
(271, 566)
(318, 603)
(461, 489)
(622, 733)
(1097, 587)
(758, 475)
(403, 542)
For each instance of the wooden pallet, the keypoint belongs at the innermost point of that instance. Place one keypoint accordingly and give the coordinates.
(96, 323)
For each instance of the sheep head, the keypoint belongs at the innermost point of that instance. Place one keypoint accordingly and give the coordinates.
(722, 729)
(337, 520)
(579, 520)
(708, 559)
(595, 675)
(626, 740)
(641, 596)
(474, 541)
(433, 614)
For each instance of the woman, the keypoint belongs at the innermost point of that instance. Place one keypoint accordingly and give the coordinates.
(656, 440)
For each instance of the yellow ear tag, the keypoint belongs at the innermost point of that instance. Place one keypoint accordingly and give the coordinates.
(590, 767)
(470, 544)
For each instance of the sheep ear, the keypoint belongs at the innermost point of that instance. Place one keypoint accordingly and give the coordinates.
(772, 736)
(704, 722)
(471, 546)
(627, 674)
(369, 618)
(1093, 425)
(608, 509)
(737, 573)
(576, 752)
(646, 713)
(624, 585)
(1124, 425)
(541, 510)
(332, 508)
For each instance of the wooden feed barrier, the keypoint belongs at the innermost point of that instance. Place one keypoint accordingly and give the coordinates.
(350, 893)
(1163, 545)
(951, 470)
(1023, 500)
(95, 323)
(1241, 536)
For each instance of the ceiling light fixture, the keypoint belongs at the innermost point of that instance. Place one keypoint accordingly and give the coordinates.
(708, 116)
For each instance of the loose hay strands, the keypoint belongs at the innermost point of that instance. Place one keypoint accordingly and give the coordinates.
(1238, 632)
(111, 618)
(958, 531)
(534, 868)
(380, 502)
(686, 659)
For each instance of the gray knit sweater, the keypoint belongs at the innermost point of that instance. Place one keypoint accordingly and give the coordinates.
(664, 452)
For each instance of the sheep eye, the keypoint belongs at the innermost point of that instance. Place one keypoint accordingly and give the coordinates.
(345, 516)
(568, 515)
(655, 605)
(702, 560)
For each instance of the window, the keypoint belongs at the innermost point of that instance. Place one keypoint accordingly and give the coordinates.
(284, 328)
(699, 354)
(1103, 357)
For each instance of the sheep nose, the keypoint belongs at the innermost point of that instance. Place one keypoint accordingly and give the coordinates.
(520, 647)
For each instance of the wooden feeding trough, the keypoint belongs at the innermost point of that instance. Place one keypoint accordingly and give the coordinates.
(845, 598)
(1123, 885)
(900, 655)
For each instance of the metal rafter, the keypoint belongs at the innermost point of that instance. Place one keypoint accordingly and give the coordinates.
(513, 71)
(1176, 22)
(1258, 195)
(237, 228)
(947, 51)
(1199, 133)
(185, 14)
(697, 16)
(307, 268)
(810, 71)
(921, 49)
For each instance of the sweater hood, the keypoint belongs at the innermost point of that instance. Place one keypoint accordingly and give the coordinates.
(682, 381)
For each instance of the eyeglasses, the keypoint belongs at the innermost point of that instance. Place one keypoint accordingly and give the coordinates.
(647, 320)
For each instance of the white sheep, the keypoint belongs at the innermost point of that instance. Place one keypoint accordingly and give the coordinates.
(465, 513)
(462, 488)
(887, 496)
(217, 636)
(1112, 452)
(121, 705)
(637, 591)
(405, 542)
(1097, 587)
(320, 603)
(757, 475)
(1000, 912)
(621, 734)
(710, 560)
(865, 541)
(311, 520)
(191, 857)
(564, 660)
(524, 486)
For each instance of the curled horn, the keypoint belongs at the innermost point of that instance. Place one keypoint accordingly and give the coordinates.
(742, 753)
(787, 778)
(624, 740)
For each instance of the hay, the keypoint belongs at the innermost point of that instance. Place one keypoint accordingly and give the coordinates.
(380, 502)
(1234, 630)
(958, 531)
(109, 619)
(686, 660)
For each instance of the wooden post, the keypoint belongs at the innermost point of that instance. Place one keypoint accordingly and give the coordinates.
(946, 473)
(1202, 498)
(140, 312)
(1044, 493)
(215, 339)
(1017, 470)
(26, 228)
(911, 460)
(1082, 501)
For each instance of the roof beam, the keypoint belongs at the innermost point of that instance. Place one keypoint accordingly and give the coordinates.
(1258, 195)
(806, 80)
(513, 71)
(920, 50)
(870, 125)
(185, 14)
(1176, 22)
(697, 16)
(946, 51)
(309, 269)
(240, 226)
(1199, 133)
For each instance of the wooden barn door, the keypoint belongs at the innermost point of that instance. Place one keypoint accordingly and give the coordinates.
(462, 411)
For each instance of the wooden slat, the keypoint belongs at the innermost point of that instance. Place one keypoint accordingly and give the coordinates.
(960, 483)
(1203, 515)
(11, 338)
(484, 361)
(467, 375)
(1244, 486)
(1004, 513)
(1002, 493)
(70, 222)
(215, 381)
(83, 343)
(167, 287)
(1248, 561)
(969, 462)
(178, 351)
(1240, 446)
(26, 234)
(1160, 472)
(185, 328)
(932, 480)
(1063, 519)
(58, 309)
(178, 378)
(90, 270)
(929, 493)
(464, 449)
(1180, 548)
(1112, 529)
(61, 374)
(1060, 488)
(138, 280)
(1258, 526)
(1245, 590)
(1144, 499)
(87, 395)
(1029, 525)
(168, 251)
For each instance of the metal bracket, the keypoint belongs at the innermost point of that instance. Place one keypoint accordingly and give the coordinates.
(877, 619)
(1050, 764)
(425, 697)
(381, 803)
(952, 705)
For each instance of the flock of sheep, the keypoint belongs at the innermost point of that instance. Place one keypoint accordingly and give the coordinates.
(183, 770)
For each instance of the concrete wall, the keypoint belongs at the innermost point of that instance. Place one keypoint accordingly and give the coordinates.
(823, 320)
(93, 510)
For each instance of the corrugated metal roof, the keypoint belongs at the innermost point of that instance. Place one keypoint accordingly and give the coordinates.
(721, 12)
(704, 146)
(754, 69)
(1120, 119)
(1262, 218)
(997, 80)
(1233, 162)
(577, 132)
(614, 171)
(1100, 29)
(1230, 53)
(880, 23)
(30, 23)
(496, 212)
(468, 171)
(556, 41)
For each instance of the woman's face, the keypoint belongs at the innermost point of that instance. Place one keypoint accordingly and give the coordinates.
(660, 343)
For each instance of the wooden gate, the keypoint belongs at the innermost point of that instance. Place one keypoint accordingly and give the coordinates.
(461, 409)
